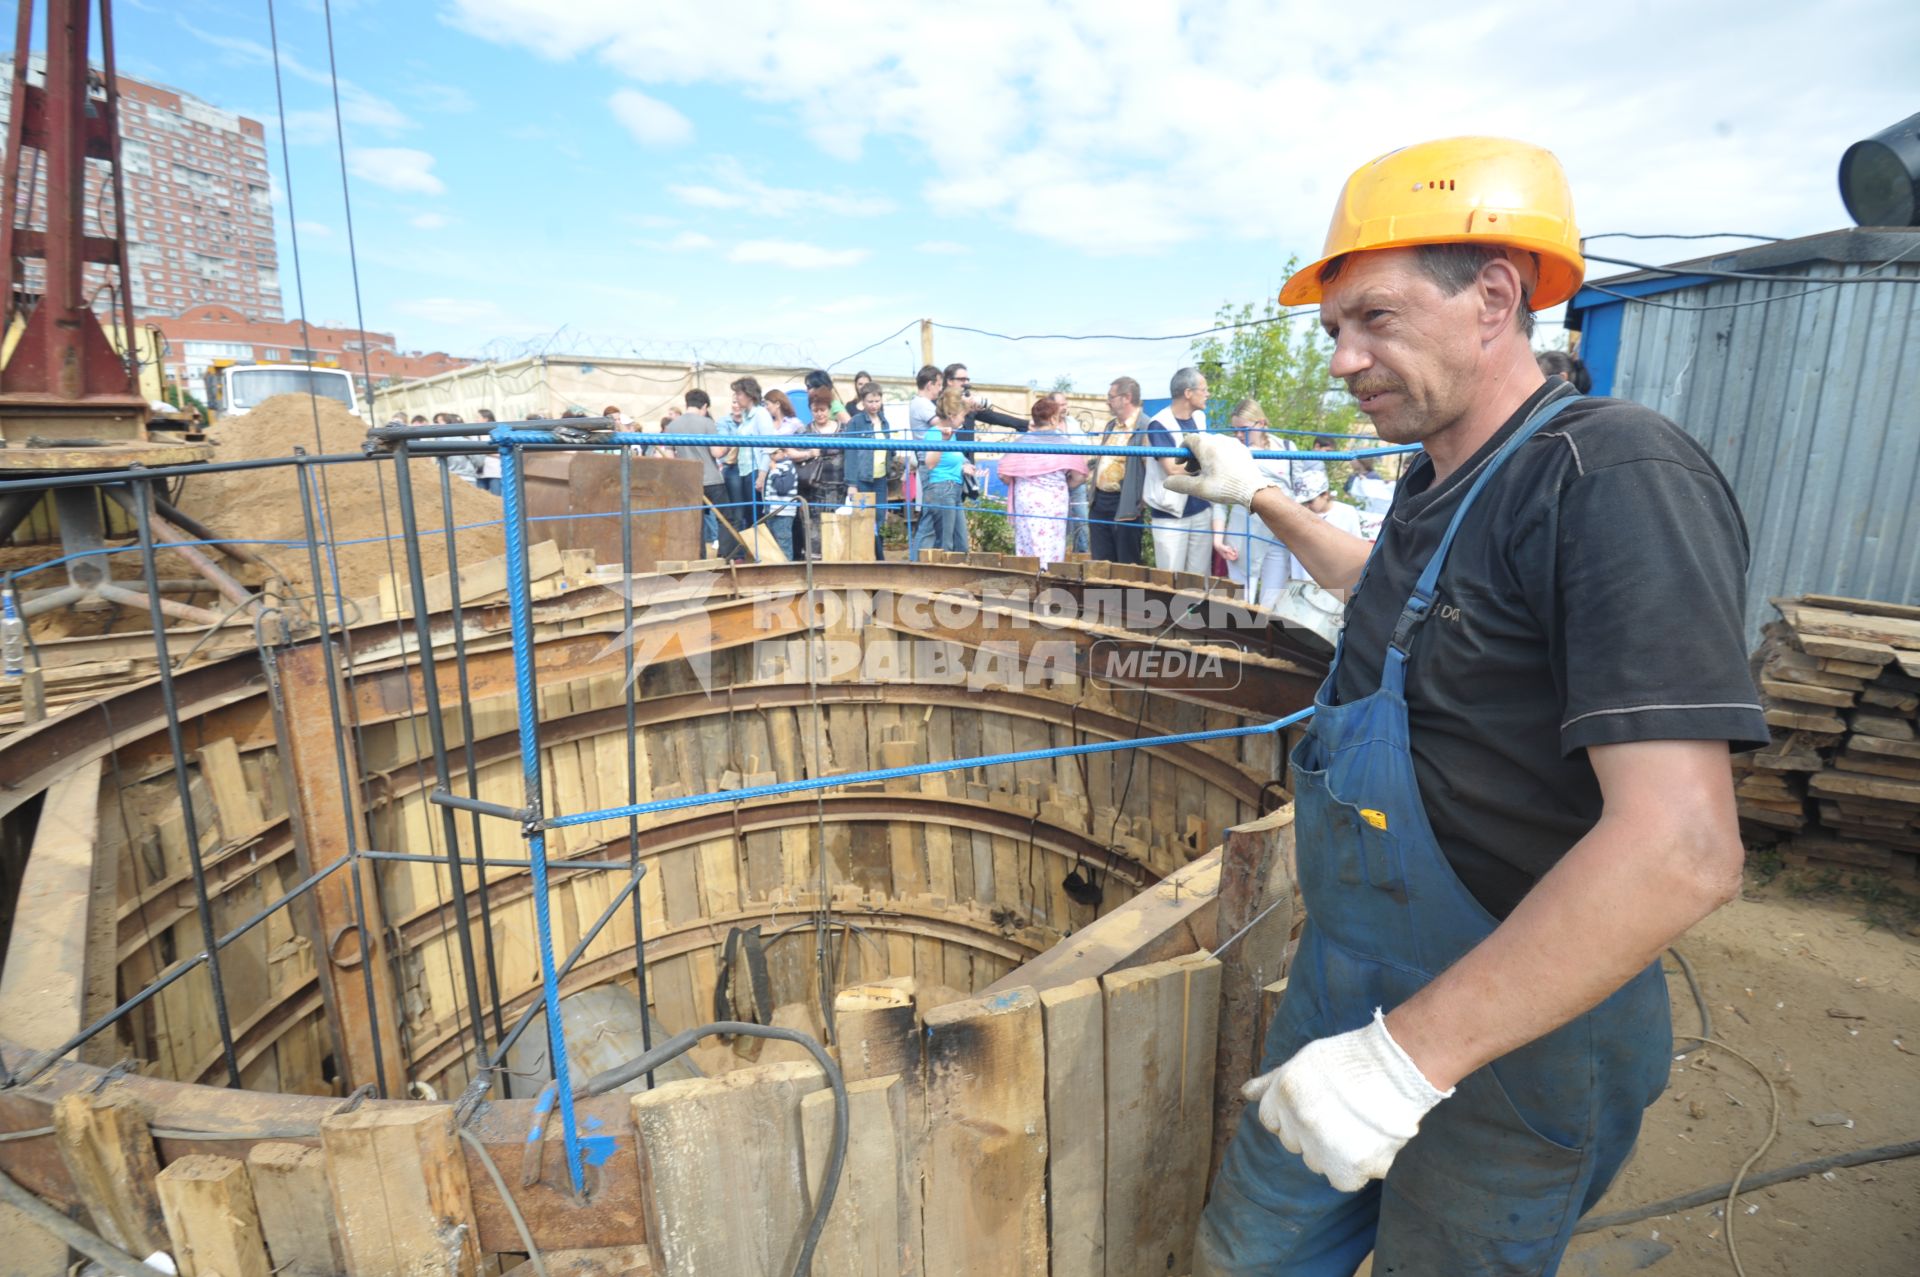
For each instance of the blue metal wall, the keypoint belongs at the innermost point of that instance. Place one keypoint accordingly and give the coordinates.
(1810, 404)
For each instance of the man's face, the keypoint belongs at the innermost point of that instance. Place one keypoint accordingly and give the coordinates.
(1117, 401)
(1406, 350)
(740, 401)
(1197, 397)
(870, 403)
(961, 381)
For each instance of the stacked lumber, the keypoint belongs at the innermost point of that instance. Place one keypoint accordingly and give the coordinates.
(1839, 786)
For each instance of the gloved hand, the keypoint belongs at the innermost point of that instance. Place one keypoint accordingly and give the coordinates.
(1347, 1104)
(1228, 474)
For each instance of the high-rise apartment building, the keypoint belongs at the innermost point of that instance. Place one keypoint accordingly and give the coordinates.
(199, 209)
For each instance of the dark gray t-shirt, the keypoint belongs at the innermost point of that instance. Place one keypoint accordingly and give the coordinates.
(693, 423)
(1594, 595)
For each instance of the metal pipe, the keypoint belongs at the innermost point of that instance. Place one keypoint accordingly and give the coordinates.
(466, 742)
(437, 736)
(202, 903)
(114, 593)
(300, 889)
(418, 858)
(633, 745)
(100, 1251)
(347, 780)
(465, 430)
(441, 797)
(513, 491)
(200, 531)
(69, 479)
(176, 539)
(74, 1043)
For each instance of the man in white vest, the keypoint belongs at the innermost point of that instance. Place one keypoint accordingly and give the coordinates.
(1182, 525)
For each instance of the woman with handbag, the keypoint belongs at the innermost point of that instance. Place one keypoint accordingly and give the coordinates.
(823, 475)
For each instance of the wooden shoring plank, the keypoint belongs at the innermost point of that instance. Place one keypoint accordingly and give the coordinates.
(868, 1232)
(1160, 1025)
(323, 812)
(212, 1223)
(52, 965)
(1175, 916)
(722, 1156)
(398, 1181)
(1257, 895)
(296, 1215)
(233, 802)
(984, 1210)
(108, 1151)
(1074, 1017)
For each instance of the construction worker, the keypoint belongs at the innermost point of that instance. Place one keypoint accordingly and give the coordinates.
(1515, 791)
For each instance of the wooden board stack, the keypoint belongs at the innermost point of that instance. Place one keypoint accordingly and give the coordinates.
(1839, 787)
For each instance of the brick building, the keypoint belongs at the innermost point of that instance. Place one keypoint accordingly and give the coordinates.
(199, 215)
(200, 335)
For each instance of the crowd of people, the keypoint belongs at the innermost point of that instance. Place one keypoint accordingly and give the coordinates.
(1057, 503)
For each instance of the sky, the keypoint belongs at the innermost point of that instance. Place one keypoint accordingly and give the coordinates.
(789, 181)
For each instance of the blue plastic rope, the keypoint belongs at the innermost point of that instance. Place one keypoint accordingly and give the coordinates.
(865, 443)
(520, 610)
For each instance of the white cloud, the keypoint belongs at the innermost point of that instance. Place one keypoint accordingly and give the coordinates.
(794, 255)
(942, 248)
(650, 121)
(1137, 127)
(462, 312)
(448, 99)
(690, 241)
(429, 221)
(395, 168)
(359, 107)
(734, 188)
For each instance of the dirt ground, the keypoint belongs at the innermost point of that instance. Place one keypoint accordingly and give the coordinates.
(1821, 990)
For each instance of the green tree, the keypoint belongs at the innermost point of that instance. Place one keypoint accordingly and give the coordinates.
(1281, 362)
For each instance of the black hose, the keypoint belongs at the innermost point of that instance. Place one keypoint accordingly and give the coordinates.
(1700, 1197)
(680, 1043)
(1699, 998)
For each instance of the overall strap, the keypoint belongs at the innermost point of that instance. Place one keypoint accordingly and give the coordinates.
(1394, 673)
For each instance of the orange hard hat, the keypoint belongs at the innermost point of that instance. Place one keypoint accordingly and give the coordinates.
(1458, 190)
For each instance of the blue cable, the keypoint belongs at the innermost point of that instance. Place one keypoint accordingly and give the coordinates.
(864, 443)
(520, 610)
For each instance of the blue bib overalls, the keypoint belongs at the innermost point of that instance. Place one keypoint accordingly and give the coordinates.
(1499, 1172)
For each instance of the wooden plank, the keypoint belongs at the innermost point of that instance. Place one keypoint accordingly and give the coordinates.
(1905, 792)
(398, 1182)
(1806, 693)
(478, 581)
(43, 986)
(1867, 635)
(1257, 898)
(322, 813)
(239, 812)
(211, 1220)
(1885, 726)
(867, 1230)
(1175, 916)
(984, 1211)
(607, 1261)
(1076, 1128)
(1882, 746)
(878, 1030)
(108, 1152)
(1160, 1026)
(296, 1215)
(1804, 721)
(1866, 607)
(724, 1165)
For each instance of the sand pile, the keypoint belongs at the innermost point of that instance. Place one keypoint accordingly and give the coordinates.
(350, 500)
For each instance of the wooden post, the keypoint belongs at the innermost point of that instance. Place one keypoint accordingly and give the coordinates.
(49, 966)
(1256, 870)
(211, 1221)
(399, 1187)
(104, 1141)
(879, 1034)
(926, 342)
(866, 1233)
(321, 812)
(986, 1147)
(296, 1211)
(1161, 1020)
(1076, 1128)
(725, 1176)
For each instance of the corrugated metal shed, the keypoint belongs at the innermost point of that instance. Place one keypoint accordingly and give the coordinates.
(1809, 402)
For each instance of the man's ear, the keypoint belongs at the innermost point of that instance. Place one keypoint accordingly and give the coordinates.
(1505, 284)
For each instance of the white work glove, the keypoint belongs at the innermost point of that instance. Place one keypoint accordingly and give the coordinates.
(1346, 1104)
(1228, 474)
